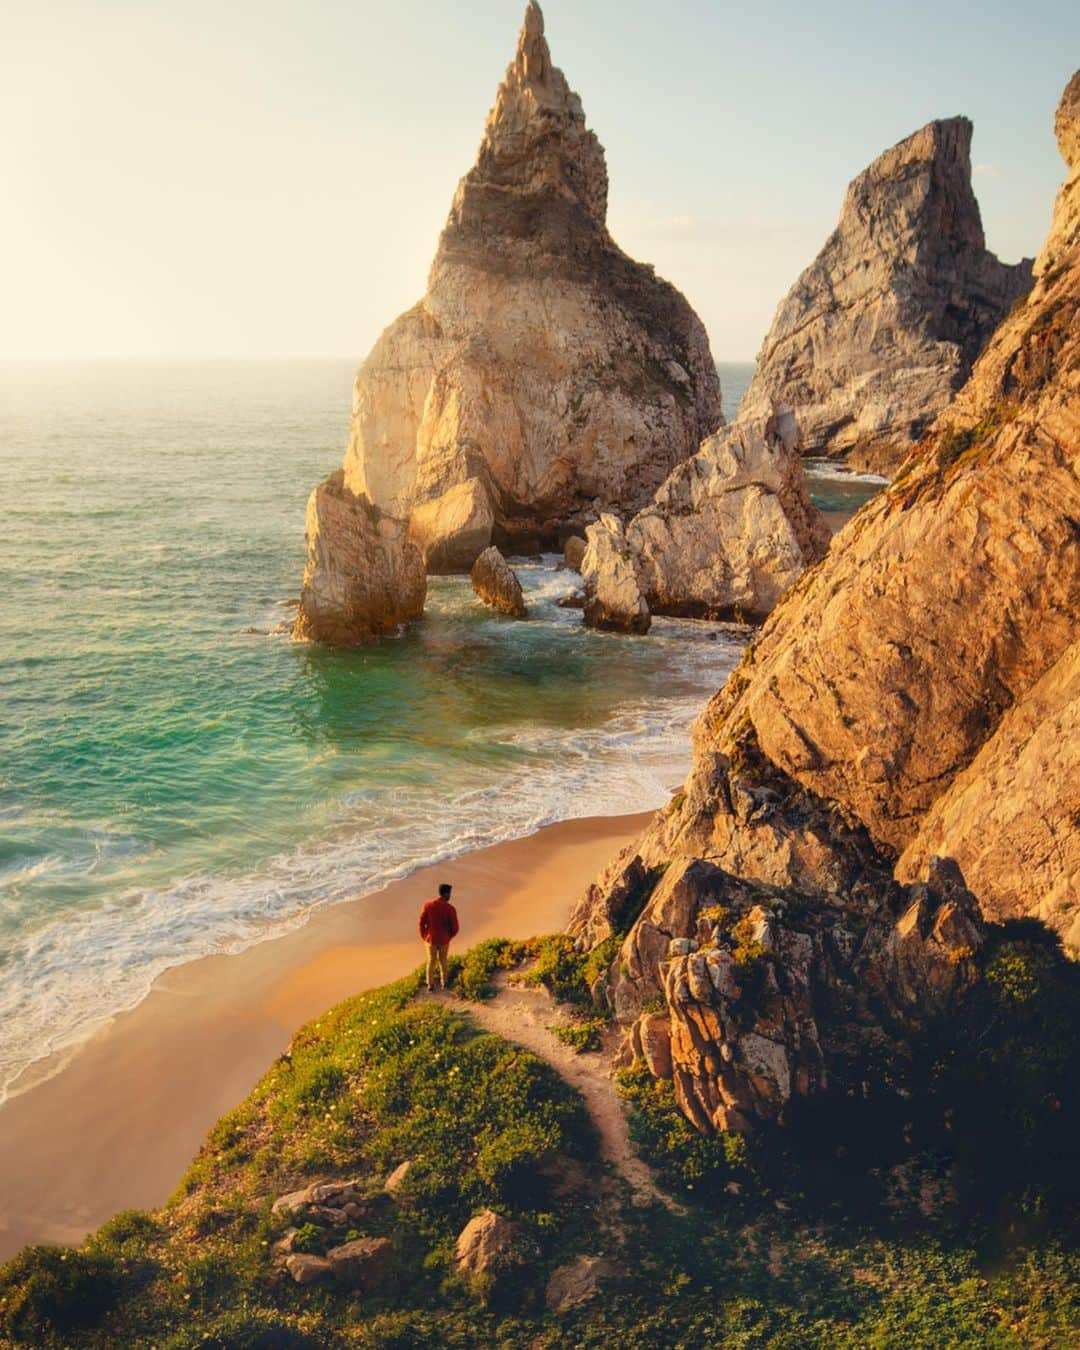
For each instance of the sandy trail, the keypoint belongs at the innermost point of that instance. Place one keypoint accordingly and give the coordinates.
(525, 1016)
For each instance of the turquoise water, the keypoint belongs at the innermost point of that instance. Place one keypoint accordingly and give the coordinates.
(173, 783)
(834, 489)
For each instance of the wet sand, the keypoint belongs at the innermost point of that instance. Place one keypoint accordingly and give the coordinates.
(117, 1125)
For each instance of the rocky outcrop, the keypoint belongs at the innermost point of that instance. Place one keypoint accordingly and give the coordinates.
(363, 577)
(332, 1209)
(882, 329)
(911, 705)
(544, 375)
(613, 598)
(726, 533)
(495, 583)
(780, 994)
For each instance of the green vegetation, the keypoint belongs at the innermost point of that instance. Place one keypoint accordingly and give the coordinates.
(473, 975)
(586, 1034)
(561, 969)
(686, 1160)
(957, 446)
(941, 1217)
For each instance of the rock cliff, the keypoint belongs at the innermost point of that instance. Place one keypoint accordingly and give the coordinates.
(916, 694)
(545, 374)
(724, 536)
(882, 328)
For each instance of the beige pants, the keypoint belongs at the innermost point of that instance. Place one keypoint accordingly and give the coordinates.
(437, 953)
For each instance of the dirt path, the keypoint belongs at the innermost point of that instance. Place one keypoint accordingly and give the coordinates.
(525, 1015)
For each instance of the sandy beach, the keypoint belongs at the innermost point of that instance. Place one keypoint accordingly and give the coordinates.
(117, 1125)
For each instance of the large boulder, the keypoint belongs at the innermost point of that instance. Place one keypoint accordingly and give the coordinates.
(363, 576)
(613, 598)
(897, 759)
(495, 583)
(726, 533)
(882, 329)
(544, 371)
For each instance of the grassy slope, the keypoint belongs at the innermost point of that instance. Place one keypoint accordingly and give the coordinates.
(381, 1079)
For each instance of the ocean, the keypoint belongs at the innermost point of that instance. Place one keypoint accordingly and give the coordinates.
(178, 778)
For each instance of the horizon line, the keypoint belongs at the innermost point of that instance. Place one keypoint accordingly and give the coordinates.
(88, 359)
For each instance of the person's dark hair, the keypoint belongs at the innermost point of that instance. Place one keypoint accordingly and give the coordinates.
(445, 889)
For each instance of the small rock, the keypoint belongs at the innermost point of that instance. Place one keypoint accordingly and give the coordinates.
(495, 583)
(682, 946)
(575, 601)
(325, 1214)
(395, 1182)
(361, 1263)
(308, 1269)
(293, 1202)
(578, 1282)
(329, 1197)
(486, 1243)
(574, 552)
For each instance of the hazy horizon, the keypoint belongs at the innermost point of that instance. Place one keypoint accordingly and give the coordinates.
(269, 183)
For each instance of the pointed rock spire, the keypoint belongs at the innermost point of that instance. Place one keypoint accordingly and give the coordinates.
(884, 325)
(544, 376)
(535, 145)
(533, 62)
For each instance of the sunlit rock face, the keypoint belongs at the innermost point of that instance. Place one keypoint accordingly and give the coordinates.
(363, 577)
(545, 375)
(725, 535)
(896, 761)
(883, 327)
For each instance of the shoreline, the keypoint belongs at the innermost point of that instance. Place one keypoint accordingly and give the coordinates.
(116, 1124)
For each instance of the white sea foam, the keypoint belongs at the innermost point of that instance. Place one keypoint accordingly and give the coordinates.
(829, 471)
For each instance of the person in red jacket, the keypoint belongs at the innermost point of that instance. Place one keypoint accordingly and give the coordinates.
(438, 925)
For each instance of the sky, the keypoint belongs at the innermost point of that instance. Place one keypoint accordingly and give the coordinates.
(268, 178)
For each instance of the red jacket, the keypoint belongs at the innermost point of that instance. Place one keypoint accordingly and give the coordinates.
(438, 922)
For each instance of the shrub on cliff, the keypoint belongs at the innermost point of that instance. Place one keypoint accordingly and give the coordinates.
(50, 1293)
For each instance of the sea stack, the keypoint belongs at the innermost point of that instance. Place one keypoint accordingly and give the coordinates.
(897, 759)
(883, 327)
(363, 577)
(545, 375)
